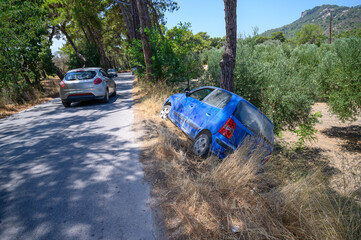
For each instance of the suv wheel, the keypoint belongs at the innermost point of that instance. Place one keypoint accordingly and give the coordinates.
(202, 144)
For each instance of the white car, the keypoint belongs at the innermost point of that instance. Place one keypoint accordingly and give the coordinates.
(85, 84)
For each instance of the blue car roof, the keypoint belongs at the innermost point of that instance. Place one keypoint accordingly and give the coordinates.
(236, 96)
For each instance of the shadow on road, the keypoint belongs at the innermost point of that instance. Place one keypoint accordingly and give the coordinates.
(64, 172)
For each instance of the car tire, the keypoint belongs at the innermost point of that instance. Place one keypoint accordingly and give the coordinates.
(66, 104)
(115, 91)
(106, 97)
(202, 145)
(163, 114)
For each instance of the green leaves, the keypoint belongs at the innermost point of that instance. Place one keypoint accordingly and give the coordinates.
(340, 77)
(310, 33)
(175, 56)
(24, 51)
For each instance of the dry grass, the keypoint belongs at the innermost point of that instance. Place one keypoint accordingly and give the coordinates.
(31, 97)
(213, 199)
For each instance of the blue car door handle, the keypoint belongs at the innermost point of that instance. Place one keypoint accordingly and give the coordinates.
(208, 114)
(191, 105)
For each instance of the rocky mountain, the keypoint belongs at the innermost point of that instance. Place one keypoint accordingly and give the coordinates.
(343, 19)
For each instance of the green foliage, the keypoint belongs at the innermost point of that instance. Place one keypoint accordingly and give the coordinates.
(213, 75)
(276, 78)
(284, 79)
(175, 55)
(307, 131)
(24, 50)
(89, 51)
(340, 77)
(261, 39)
(310, 33)
(217, 42)
(278, 36)
(351, 33)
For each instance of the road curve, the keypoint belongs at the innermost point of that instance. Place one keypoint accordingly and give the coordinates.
(74, 173)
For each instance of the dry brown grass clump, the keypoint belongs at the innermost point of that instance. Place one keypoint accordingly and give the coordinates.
(30, 97)
(229, 199)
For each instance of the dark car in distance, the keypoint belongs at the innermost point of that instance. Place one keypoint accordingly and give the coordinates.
(112, 73)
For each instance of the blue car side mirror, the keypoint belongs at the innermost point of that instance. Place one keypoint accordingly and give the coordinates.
(186, 90)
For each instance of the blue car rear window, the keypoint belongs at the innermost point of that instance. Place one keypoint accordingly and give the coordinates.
(81, 75)
(218, 98)
(255, 121)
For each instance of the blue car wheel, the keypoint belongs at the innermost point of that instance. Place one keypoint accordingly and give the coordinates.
(163, 114)
(201, 145)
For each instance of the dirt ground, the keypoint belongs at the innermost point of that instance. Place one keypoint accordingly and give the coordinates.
(339, 143)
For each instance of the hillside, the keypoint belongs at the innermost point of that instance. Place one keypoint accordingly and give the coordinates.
(343, 19)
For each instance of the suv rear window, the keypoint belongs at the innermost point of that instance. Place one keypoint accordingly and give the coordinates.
(254, 120)
(81, 75)
(218, 98)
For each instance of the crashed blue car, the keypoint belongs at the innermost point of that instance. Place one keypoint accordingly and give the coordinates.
(218, 121)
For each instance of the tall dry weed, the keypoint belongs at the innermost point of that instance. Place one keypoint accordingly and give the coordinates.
(231, 199)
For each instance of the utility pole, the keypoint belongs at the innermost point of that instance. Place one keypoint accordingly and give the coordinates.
(330, 26)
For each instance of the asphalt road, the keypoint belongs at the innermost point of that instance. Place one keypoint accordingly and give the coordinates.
(74, 173)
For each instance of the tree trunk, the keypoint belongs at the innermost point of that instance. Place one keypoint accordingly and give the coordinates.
(85, 34)
(156, 18)
(125, 11)
(57, 70)
(229, 55)
(142, 10)
(96, 40)
(63, 30)
(136, 21)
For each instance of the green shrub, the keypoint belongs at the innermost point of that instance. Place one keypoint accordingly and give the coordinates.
(175, 55)
(340, 77)
(90, 53)
(277, 78)
(213, 75)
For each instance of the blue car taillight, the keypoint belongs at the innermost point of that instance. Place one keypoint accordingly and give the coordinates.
(228, 128)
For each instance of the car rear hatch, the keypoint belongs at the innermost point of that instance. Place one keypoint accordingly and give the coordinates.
(251, 121)
(79, 81)
(247, 122)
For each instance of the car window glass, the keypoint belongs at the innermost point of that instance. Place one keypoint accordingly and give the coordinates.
(254, 120)
(81, 75)
(201, 94)
(218, 98)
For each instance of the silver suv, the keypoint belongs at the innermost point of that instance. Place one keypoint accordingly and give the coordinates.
(86, 84)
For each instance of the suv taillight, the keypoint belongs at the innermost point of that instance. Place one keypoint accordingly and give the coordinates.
(97, 81)
(228, 128)
(62, 84)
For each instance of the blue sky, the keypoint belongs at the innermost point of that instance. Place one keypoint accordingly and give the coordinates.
(208, 15)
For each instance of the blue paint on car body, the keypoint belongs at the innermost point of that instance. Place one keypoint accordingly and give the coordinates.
(210, 108)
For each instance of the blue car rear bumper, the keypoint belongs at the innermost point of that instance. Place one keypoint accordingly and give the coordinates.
(220, 146)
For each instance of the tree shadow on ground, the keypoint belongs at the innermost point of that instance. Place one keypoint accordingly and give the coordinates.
(63, 172)
(351, 136)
